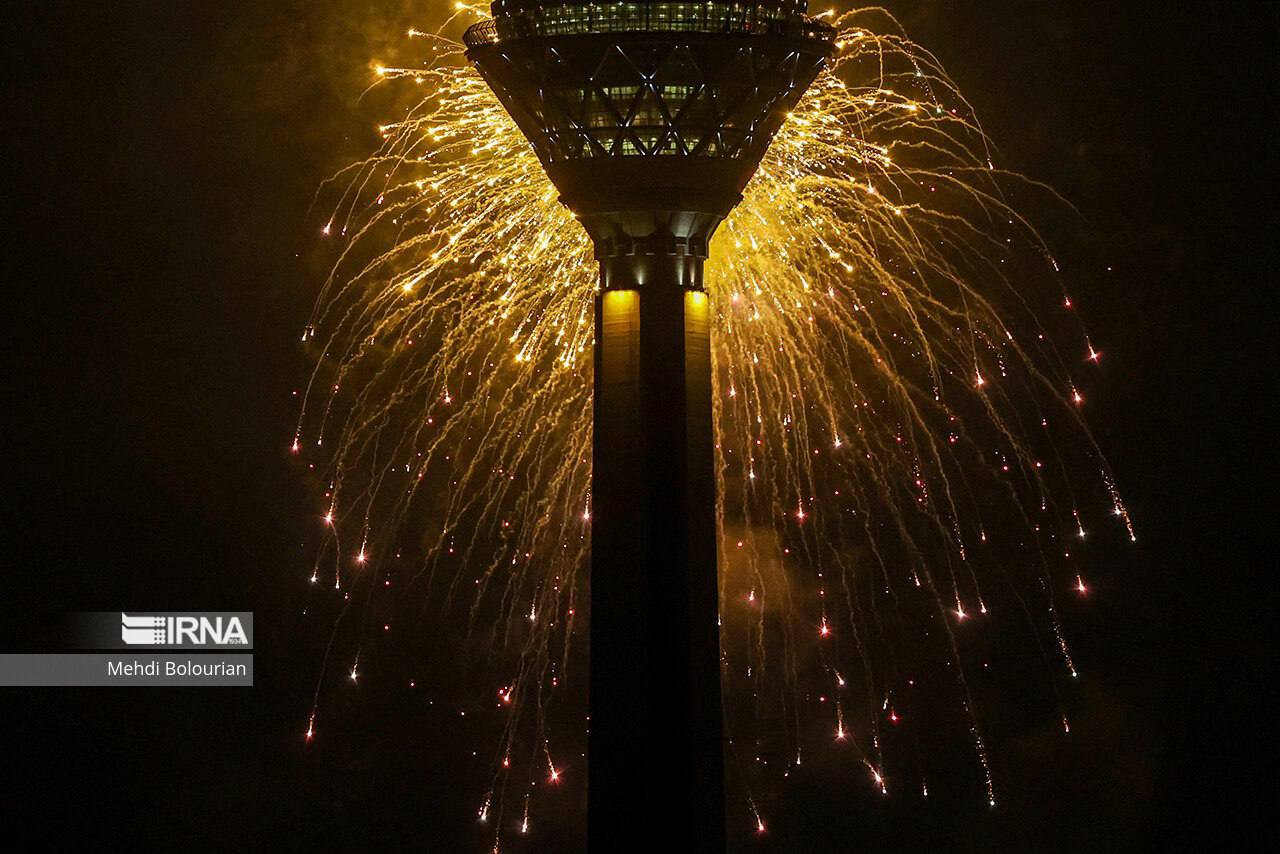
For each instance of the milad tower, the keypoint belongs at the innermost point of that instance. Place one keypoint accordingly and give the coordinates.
(650, 118)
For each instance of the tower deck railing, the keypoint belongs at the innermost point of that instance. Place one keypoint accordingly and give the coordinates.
(738, 18)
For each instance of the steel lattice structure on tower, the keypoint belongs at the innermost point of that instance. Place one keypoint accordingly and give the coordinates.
(650, 118)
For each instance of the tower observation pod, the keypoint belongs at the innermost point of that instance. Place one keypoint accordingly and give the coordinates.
(650, 118)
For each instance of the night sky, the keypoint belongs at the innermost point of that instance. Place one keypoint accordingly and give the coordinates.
(162, 259)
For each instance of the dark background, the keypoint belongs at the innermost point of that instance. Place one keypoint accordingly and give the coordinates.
(161, 260)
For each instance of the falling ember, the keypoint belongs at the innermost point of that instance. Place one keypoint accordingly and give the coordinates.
(875, 324)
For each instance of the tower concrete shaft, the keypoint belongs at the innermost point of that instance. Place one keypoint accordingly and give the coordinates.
(650, 118)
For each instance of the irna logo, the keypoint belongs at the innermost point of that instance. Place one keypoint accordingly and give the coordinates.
(182, 630)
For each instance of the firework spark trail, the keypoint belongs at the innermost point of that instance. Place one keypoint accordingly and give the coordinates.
(877, 365)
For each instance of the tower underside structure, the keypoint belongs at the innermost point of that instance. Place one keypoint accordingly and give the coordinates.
(650, 118)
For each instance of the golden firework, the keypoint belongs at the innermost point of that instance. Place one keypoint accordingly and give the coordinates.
(887, 406)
